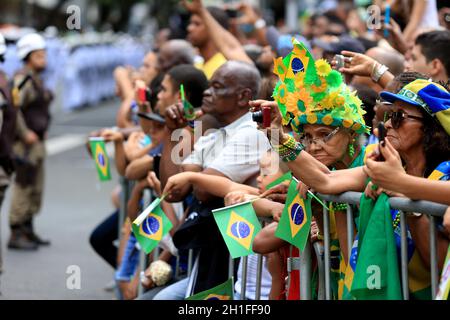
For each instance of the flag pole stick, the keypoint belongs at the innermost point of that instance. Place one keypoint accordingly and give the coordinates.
(317, 199)
(183, 97)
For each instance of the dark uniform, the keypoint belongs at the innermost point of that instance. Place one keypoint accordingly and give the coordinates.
(32, 101)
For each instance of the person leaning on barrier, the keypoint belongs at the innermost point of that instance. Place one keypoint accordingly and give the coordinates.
(416, 130)
(229, 152)
(33, 120)
(331, 135)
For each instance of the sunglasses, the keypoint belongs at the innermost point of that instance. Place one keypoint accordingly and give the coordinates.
(397, 117)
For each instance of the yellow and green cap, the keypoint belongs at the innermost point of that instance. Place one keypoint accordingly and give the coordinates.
(430, 96)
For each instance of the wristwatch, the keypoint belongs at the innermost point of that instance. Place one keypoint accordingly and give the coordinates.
(260, 23)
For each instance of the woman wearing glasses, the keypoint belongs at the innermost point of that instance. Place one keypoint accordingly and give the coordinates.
(418, 128)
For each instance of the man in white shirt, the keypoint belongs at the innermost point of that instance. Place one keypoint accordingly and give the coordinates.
(233, 151)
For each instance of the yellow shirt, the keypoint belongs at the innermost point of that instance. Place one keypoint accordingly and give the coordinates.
(210, 66)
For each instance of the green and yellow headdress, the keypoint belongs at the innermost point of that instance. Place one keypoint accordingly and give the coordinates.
(310, 92)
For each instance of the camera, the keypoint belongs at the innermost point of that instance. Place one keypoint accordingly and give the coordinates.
(262, 116)
(144, 95)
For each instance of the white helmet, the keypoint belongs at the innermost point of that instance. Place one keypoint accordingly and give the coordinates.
(2, 45)
(29, 43)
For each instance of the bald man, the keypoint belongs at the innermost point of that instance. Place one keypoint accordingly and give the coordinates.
(175, 52)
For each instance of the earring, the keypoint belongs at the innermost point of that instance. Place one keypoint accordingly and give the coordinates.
(351, 149)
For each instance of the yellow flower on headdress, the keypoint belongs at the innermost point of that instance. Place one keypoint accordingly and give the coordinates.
(299, 101)
(279, 68)
(299, 80)
(327, 120)
(305, 97)
(291, 103)
(282, 94)
(339, 101)
(323, 68)
(311, 118)
(321, 88)
(329, 101)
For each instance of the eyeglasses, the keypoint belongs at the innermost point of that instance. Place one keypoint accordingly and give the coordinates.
(397, 118)
(306, 141)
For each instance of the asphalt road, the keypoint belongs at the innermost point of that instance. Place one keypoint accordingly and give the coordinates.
(74, 203)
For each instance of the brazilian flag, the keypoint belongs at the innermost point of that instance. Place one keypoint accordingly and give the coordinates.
(238, 225)
(98, 151)
(295, 221)
(223, 291)
(151, 226)
(376, 275)
(188, 108)
(285, 177)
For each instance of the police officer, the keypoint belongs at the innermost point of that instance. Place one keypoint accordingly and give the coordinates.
(33, 118)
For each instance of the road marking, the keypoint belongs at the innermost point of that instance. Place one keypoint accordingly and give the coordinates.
(64, 143)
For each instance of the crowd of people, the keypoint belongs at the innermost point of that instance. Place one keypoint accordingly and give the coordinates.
(343, 107)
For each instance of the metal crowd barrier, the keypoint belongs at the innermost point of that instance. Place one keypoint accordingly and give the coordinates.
(431, 209)
(323, 253)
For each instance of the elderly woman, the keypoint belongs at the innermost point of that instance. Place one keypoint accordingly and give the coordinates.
(418, 128)
(319, 106)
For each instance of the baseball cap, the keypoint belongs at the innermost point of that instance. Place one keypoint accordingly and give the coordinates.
(430, 96)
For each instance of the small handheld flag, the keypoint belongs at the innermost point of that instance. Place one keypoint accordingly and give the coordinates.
(98, 150)
(295, 221)
(223, 291)
(238, 225)
(151, 226)
(285, 177)
(189, 111)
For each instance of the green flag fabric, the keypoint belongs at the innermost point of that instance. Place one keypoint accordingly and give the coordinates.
(285, 177)
(189, 110)
(98, 150)
(295, 221)
(151, 226)
(238, 225)
(223, 291)
(377, 274)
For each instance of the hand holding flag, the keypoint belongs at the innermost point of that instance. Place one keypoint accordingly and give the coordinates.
(98, 150)
(295, 222)
(189, 111)
(238, 225)
(151, 226)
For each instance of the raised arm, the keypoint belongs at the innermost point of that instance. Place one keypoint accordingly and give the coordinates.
(218, 186)
(222, 38)
(306, 168)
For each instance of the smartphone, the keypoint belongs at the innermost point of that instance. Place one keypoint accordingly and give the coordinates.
(387, 19)
(232, 13)
(340, 61)
(381, 136)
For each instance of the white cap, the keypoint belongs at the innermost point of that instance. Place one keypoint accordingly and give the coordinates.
(29, 43)
(2, 45)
